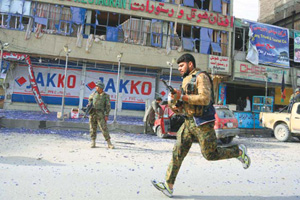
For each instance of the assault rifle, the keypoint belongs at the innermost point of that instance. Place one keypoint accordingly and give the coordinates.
(87, 109)
(172, 90)
(169, 87)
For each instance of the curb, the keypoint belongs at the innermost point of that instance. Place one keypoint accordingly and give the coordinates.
(36, 124)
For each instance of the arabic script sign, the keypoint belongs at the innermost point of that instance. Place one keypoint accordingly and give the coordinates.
(218, 64)
(194, 14)
(272, 44)
(159, 8)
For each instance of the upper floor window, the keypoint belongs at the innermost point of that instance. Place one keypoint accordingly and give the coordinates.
(116, 27)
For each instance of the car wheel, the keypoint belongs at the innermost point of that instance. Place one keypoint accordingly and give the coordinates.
(282, 132)
(226, 140)
(159, 133)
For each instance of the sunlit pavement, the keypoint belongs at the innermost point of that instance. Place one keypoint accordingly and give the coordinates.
(51, 164)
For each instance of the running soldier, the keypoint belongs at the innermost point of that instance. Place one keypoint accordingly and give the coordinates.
(198, 98)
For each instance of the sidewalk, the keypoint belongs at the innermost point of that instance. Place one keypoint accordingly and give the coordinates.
(39, 120)
(125, 123)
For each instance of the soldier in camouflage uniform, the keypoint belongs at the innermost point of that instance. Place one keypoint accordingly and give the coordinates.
(99, 114)
(294, 99)
(197, 97)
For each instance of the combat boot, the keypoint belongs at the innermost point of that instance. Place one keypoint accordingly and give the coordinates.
(110, 146)
(93, 145)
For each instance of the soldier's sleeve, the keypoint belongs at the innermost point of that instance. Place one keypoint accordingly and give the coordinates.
(107, 103)
(291, 98)
(204, 91)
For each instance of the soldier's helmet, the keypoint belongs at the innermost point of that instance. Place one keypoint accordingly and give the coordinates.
(297, 90)
(100, 84)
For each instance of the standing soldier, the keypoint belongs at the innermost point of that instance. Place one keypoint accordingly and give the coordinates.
(294, 99)
(198, 98)
(99, 114)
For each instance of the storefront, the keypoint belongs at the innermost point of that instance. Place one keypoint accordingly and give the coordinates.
(256, 82)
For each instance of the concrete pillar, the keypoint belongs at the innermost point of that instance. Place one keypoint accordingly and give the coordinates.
(88, 21)
(82, 85)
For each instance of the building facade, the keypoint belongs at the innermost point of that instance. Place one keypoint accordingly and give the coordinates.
(265, 78)
(128, 44)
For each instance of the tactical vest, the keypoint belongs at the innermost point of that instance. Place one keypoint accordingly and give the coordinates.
(203, 114)
(99, 101)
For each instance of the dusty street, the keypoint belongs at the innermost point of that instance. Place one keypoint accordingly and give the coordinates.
(62, 166)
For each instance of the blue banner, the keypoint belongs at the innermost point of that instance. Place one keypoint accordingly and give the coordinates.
(270, 43)
(222, 94)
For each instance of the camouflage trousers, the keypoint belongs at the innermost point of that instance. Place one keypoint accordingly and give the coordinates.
(206, 137)
(98, 119)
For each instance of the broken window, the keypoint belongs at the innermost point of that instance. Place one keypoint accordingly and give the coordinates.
(225, 7)
(217, 6)
(189, 3)
(202, 4)
(224, 43)
(12, 13)
(176, 37)
(187, 40)
(196, 36)
(205, 40)
(156, 33)
(241, 39)
(219, 43)
(137, 31)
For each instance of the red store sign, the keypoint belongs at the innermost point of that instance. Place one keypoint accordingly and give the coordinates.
(194, 14)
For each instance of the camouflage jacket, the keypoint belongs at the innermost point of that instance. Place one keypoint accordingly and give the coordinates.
(201, 94)
(101, 102)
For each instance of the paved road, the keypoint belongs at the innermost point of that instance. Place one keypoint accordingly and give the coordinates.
(62, 166)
